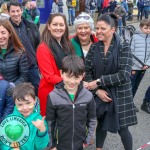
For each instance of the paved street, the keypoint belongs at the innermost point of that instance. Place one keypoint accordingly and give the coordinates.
(140, 132)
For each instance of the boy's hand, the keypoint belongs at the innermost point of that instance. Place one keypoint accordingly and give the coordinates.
(85, 145)
(39, 124)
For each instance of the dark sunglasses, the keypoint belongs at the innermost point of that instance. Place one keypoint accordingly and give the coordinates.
(84, 17)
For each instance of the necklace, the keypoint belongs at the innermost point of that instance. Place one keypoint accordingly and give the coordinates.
(86, 44)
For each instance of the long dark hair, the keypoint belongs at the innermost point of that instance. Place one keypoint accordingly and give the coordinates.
(48, 38)
(13, 40)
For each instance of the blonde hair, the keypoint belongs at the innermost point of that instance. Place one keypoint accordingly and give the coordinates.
(4, 8)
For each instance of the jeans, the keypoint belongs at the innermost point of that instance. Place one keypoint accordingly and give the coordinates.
(146, 14)
(92, 13)
(147, 95)
(34, 77)
(140, 13)
(124, 20)
(120, 26)
(71, 15)
(136, 79)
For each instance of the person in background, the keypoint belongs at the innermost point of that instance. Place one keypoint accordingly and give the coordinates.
(71, 12)
(120, 12)
(25, 107)
(105, 6)
(140, 6)
(55, 8)
(146, 101)
(140, 46)
(87, 6)
(4, 11)
(26, 10)
(60, 6)
(6, 102)
(93, 4)
(146, 8)
(130, 11)
(30, 37)
(55, 45)
(99, 7)
(71, 109)
(107, 72)
(13, 59)
(83, 39)
(112, 5)
(35, 13)
(125, 6)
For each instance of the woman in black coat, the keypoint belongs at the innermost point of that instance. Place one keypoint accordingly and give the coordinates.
(13, 60)
(108, 67)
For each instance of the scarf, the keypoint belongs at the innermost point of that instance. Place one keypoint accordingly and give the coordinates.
(58, 53)
(108, 111)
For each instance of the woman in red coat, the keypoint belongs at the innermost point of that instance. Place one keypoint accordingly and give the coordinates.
(54, 47)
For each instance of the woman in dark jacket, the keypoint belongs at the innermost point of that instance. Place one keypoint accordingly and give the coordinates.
(13, 60)
(108, 68)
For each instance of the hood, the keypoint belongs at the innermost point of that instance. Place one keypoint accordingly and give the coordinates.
(139, 32)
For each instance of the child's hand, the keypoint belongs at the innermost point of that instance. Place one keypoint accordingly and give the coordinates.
(39, 124)
(85, 145)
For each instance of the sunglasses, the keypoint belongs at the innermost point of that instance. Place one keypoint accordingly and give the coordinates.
(84, 17)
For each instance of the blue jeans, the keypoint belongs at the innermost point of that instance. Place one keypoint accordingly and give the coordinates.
(147, 95)
(136, 79)
(34, 77)
(146, 14)
(120, 26)
(71, 15)
(140, 13)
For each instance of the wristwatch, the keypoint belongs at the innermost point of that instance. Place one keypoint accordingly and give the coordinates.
(98, 82)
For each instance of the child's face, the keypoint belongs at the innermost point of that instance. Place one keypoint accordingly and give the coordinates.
(71, 82)
(145, 29)
(26, 106)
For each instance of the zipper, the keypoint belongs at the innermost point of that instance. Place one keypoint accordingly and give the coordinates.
(145, 48)
(73, 107)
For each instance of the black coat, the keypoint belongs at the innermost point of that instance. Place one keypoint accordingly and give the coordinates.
(14, 66)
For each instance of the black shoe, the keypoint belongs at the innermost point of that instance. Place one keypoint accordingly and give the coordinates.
(146, 106)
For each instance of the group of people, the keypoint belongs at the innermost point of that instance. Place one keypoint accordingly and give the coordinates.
(80, 84)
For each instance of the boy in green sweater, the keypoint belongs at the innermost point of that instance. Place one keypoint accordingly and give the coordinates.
(27, 108)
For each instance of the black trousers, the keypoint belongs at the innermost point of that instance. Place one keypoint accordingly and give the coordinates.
(124, 133)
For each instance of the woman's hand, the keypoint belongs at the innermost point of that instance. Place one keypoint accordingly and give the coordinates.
(103, 95)
(85, 84)
(91, 85)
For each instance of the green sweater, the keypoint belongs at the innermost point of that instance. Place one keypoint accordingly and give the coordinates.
(37, 140)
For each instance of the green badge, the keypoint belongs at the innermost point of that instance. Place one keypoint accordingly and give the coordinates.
(14, 129)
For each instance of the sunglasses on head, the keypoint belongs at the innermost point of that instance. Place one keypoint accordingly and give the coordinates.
(84, 17)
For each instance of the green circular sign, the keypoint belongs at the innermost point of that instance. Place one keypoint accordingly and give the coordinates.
(14, 129)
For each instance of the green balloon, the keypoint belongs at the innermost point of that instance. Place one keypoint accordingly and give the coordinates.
(14, 132)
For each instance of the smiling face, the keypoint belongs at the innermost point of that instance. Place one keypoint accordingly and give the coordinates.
(25, 107)
(57, 27)
(15, 14)
(71, 82)
(83, 31)
(4, 37)
(104, 31)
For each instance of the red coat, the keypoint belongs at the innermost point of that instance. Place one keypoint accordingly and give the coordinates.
(50, 74)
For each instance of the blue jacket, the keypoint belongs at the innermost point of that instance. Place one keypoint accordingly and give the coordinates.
(6, 102)
(140, 4)
(125, 6)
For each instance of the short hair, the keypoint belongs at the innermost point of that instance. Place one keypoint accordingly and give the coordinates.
(145, 22)
(110, 19)
(24, 2)
(84, 18)
(22, 90)
(73, 65)
(13, 3)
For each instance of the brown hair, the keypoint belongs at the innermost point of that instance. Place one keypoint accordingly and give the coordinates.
(48, 38)
(4, 8)
(22, 90)
(13, 40)
(145, 22)
(73, 65)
